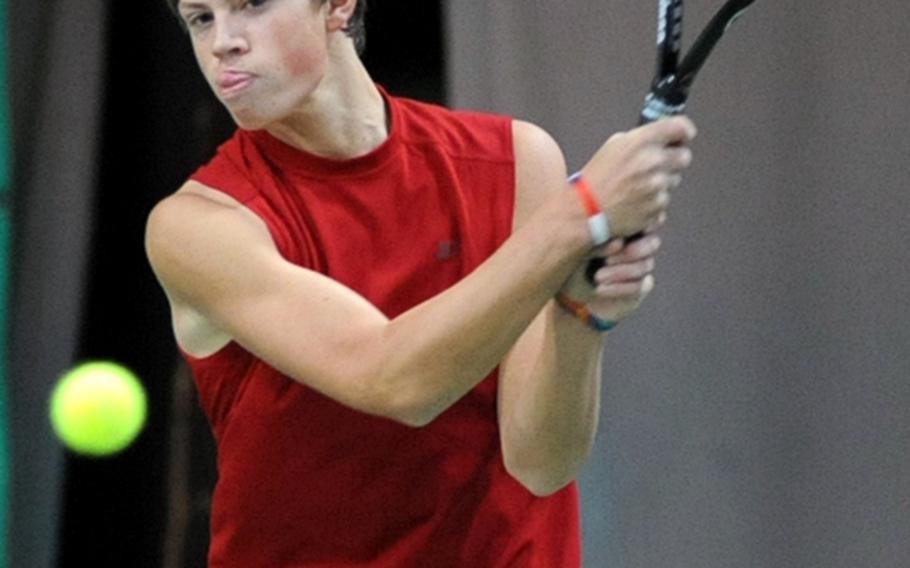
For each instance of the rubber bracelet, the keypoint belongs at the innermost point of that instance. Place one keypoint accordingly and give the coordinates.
(581, 311)
(598, 225)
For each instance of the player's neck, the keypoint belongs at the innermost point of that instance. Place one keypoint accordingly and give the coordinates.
(345, 117)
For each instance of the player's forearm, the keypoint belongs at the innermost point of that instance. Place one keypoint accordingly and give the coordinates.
(430, 356)
(549, 401)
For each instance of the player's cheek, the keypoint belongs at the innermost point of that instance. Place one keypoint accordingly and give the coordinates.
(302, 52)
(302, 62)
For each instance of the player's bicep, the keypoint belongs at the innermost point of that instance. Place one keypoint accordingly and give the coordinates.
(227, 268)
(540, 169)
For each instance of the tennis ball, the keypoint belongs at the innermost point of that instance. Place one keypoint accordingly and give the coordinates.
(98, 408)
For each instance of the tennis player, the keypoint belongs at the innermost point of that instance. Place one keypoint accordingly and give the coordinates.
(384, 304)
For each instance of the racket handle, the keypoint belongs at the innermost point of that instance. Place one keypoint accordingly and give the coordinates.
(655, 108)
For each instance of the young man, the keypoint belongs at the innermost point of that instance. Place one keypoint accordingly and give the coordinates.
(364, 287)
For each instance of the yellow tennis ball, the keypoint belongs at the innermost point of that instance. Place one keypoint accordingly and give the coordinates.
(98, 408)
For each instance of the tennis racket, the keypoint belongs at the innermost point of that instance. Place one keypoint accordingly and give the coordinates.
(673, 79)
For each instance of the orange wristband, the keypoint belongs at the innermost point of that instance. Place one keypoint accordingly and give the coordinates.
(598, 225)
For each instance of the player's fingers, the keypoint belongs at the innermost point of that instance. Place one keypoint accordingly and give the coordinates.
(633, 251)
(644, 247)
(655, 160)
(625, 272)
(619, 291)
(678, 158)
(658, 185)
(600, 254)
(672, 131)
(635, 290)
(613, 246)
(657, 223)
(646, 286)
(636, 250)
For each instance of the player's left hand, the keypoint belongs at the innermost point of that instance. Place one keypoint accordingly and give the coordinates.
(623, 283)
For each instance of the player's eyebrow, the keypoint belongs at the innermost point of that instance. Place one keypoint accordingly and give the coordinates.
(190, 5)
(204, 5)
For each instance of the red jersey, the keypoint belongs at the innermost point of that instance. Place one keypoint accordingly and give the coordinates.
(306, 482)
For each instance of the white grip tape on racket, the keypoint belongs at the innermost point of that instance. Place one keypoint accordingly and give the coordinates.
(656, 108)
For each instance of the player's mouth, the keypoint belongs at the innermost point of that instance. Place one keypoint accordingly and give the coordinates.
(233, 83)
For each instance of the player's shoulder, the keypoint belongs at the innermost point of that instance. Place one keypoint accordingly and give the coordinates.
(194, 198)
(534, 145)
(197, 218)
(540, 168)
(538, 157)
(189, 202)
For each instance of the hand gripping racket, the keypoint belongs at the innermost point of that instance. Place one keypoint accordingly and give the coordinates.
(670, 88)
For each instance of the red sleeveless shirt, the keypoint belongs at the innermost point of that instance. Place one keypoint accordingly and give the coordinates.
(306, 482)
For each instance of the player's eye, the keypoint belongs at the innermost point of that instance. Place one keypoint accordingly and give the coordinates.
(197, 20)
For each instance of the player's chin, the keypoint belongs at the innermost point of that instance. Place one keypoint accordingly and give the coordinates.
(249, 113)
(247, 119)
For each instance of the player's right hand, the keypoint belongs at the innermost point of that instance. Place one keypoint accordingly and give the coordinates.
(633, 173)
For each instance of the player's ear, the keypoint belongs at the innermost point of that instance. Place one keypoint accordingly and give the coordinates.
(339, 13)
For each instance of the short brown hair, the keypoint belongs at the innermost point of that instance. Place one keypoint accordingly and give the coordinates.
(356, 28)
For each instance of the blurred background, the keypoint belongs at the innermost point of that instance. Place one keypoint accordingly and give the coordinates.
(756, 410)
